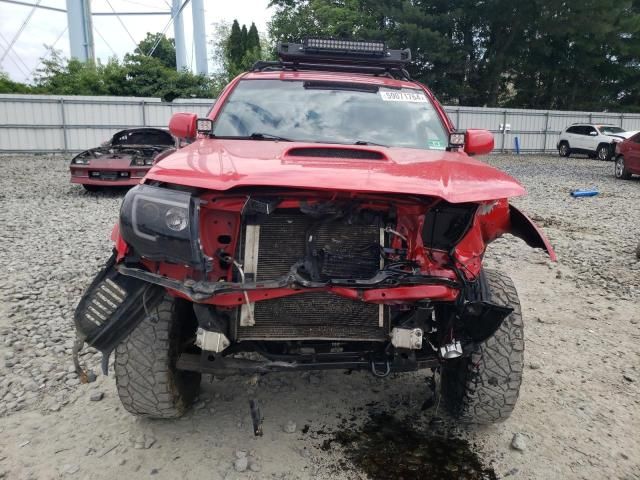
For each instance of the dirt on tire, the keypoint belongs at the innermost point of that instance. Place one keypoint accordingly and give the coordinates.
(147, 381)
(483, 388)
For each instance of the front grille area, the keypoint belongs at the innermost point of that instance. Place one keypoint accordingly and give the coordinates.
(317, 316)
(339, 250)
(109, 175)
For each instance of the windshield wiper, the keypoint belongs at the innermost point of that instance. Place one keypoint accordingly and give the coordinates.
(267, 136)
(365, 142)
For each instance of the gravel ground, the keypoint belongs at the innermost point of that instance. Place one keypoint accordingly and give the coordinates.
(578, 414)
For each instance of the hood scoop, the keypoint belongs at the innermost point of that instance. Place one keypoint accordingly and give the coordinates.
(336, 152)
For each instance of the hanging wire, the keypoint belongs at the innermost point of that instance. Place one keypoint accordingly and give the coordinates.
(166, 27)
(105, 41)
(48, 52)
(22, 27)
(18, 66)
(146, 5)
(122, 23)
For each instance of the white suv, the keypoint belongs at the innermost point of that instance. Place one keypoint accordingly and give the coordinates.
(594, 140)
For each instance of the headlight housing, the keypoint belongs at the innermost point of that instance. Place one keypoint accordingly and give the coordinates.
(142, 160)
(162, 225)
(446, 224)
(80, 160)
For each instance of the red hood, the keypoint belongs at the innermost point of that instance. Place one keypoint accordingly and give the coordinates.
(218, 164)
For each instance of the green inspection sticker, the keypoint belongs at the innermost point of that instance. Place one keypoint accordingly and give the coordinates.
(436, 145)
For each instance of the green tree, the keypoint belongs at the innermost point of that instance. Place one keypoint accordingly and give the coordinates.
(9, 86)
(253, 39)
(138, 75)
(165, 48)
(57, 75)
(231, 60)
(243, 38)
(149, 77)
(571, 62)
(539, 53)
(234, 48)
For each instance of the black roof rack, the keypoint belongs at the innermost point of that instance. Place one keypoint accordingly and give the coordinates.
(366, 57)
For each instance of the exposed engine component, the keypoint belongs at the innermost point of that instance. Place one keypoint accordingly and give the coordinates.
(320, 243)
(451, 350)
(409, 338)
(211, 341)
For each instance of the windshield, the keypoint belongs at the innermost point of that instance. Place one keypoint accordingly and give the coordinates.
(611, 130)
(330, 112)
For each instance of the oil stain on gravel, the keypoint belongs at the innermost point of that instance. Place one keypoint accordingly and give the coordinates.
(386, 448)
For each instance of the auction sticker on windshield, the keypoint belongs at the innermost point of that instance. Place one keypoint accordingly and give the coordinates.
(396, 96)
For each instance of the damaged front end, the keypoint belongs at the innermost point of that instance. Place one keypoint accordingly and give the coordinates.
(123, 160)
(306, 279)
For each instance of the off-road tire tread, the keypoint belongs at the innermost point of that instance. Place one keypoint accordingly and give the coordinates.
(146, 379)
(484, 388)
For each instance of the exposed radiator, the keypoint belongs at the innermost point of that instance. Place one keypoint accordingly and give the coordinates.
(276, 242)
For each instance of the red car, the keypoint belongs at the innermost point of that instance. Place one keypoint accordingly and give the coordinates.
(123, 160)
(628, 158)
(327, 215)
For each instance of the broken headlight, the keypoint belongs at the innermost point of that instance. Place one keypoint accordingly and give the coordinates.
(446, 223)
(161, 224)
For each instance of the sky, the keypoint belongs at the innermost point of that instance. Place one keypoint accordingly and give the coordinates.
(110, 37)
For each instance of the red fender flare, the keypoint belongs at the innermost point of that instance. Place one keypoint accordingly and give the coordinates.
(523, 227)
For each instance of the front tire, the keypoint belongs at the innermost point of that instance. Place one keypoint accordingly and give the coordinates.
(604, 152)
(621, 171)
(148, 383)
(483, 388)
(564, 150)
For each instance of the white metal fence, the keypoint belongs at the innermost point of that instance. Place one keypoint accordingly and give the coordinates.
(536, 130)
(44, 124)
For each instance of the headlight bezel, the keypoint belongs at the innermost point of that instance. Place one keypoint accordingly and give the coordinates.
(148, 234)
(80, 160)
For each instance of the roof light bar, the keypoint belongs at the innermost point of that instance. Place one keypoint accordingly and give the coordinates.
(343, 52)
(344, 46)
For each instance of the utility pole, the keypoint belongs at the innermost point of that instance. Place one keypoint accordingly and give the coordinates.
(199, 36)
(80, 30)
(178, 31)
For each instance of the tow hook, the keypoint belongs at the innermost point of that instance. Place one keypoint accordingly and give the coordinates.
(380, 374)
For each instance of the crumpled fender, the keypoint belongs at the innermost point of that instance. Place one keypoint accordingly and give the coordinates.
(111, 308)
(492, 220)
(523, 227)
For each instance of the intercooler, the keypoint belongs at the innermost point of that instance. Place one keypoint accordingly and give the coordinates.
(272, 244)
